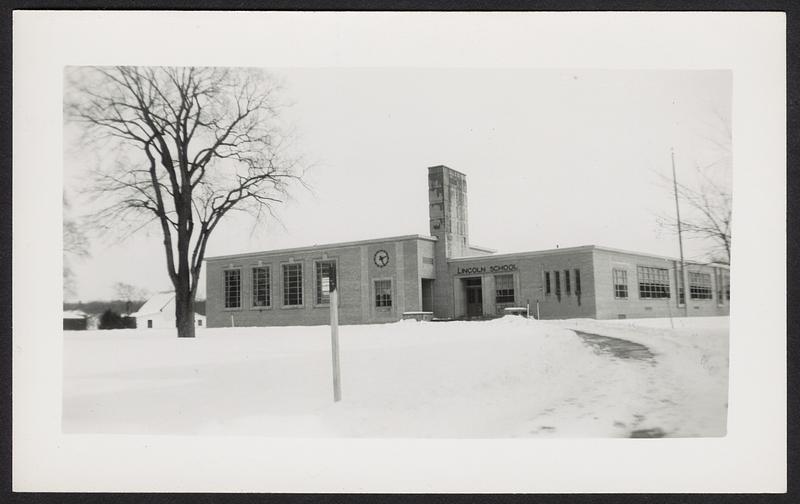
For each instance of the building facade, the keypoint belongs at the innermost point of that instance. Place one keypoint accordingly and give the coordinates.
(387, 279)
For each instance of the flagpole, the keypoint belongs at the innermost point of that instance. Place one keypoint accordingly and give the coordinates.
(684, 275)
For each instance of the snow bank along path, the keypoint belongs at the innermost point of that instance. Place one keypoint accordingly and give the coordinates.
(684, 390)
(510, 377)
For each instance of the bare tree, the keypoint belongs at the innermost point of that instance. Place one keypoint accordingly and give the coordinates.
(75, 246)
(190, 145)
(706, 203)
(710, 216)
(129, 293)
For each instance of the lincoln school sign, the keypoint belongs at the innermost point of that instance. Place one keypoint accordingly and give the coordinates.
(496, 268)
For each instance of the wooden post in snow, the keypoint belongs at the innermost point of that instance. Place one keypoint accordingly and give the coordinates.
(334, 308)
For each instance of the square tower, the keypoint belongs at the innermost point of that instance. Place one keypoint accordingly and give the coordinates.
(447, 198)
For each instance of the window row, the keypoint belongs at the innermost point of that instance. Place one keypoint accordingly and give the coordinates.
(654, 284)
(325, 279)
(261, 281)
(552, 282)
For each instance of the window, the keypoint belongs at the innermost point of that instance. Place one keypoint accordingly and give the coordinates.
(699, 285)
(567, 286)
(547, 283)
(679, 283)
(578, 283)
(383, 293)
(325, 269)
(727, 282)
(504, 289)
(723, 281)
(620, 283)
(233, 288)
(292, 284)
(261, 290)
(200, 323)
(558, 283)
(149, 324)
(653, 282)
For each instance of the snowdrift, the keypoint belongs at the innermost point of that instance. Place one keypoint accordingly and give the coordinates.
(510, 377)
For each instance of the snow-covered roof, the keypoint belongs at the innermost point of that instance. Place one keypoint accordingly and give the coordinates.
(75, 314)
(155, 304)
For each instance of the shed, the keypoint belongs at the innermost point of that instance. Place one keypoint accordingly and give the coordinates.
(75, 320)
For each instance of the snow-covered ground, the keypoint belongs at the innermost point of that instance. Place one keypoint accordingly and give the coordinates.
(684, 391)
(510, 377)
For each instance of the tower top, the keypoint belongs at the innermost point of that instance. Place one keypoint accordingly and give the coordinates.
(440, 168)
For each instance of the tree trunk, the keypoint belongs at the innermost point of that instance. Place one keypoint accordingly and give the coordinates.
(184, 297)
(184, 309)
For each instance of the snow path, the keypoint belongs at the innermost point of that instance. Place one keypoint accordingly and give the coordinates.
(614, 393)
(685, 388)
(622, 348)
(509, 377)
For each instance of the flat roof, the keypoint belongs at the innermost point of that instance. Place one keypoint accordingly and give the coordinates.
(323, 246)
(482, 248)
(566, 250)
(493, 256)
(446, 168)
(656, 256)
(520, 254)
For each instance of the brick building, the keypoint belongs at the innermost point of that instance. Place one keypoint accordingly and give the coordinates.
(444, 276)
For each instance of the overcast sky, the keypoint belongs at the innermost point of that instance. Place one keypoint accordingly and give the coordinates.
(552, 158)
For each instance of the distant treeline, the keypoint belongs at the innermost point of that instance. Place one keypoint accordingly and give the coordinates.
(120, 306)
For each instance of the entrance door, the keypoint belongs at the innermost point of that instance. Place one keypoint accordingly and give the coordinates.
(427, 295)
(474, 297)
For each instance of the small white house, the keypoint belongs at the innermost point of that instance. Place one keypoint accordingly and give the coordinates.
(159, 313)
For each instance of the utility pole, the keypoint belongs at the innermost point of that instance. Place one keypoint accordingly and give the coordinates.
(684, 273)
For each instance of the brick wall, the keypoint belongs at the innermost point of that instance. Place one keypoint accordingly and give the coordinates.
(572, 304)
(357, 272)
(528, 282)
(635, 306)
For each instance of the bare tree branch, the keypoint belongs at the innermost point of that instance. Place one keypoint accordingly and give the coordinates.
(706, 207)
(191, 145)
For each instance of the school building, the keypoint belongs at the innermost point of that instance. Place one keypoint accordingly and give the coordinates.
(443, 276)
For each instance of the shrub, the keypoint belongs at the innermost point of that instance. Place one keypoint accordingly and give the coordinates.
(111, 320)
